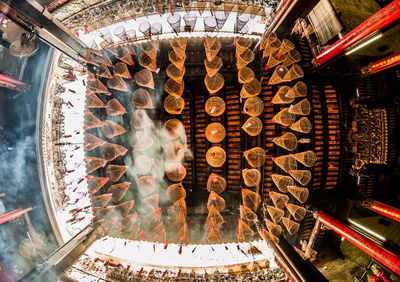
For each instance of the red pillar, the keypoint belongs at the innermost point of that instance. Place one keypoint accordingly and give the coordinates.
(378, 252)
(279, 14)
(384, 17)
(14, 214)
(383, 209)
(381, 65)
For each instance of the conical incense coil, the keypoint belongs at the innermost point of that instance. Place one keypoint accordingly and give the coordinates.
(92, 101)
(175, 73)
(303, 125)
(299, 25)
(286, 46)
(245, 234)
(158, 234)
(118, 190)
(174, 105)
(300, 193)
(239, 29)
(114, 108)
(242, 44)
(221, 18)
(91, 121)
(217, 201)
(100, 201)
(91, 142)
(253, 126)
(117, 83)
(278, 76)
(215, 132)
(298, 90)
(129, 222)
(247, 215)
(267, 39)
(291, 226)
(110, 151)
(174, 21)
(190, 21)
(281, 96)
(284, 117)
(175, 192)
(250, 89)
(210, 23)
(273, 44)
(93, 163)
(245, 58)
(213, 66)
(209, 41)
(212, 50)
(291, 58)
(282, 182)
(287, 141)
(103, 71)
(297, 212)
(140, 141)
(105, 59)
(144, 78)
(273, 228)
(173, 129)
(251, 177)
(174, 151)
(112, 49)
(146, 185)
(241, 18)
(216, 183)
(301, 176)
(253, 106)
(173, 87)
(179, 43)
(147, 62)
(302, 108)
(250, 199)
(125, 207)
(177, 208)
(245, 75)
(124, 55)
(214, 218)
(179, 222)
(150, 49)
(182, 237)
(255, 157)
(286, 162)
(141, 99)
(177, 59)
(213, 238)
(215, 106)
(274, 59)
(94, 184)
(115, 172)
(152, 219)
(143, 164)
(150, 203)
(175, 172)
(121, 69)
(96, 86)
(111, 129)
(295, 72)
(216, 156)
(140, 119)
(307, 158)
(279, 199)
(275, 213)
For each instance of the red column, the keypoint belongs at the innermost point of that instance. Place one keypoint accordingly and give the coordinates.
(378, 252)
(14, 214)
(384, 17)
(384, 64)
(383, 209)
(279, 14)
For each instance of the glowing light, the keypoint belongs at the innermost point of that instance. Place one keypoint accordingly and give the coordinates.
(380, 237)
(358, 47)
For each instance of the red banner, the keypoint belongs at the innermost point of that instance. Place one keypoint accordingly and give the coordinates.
(384, 17)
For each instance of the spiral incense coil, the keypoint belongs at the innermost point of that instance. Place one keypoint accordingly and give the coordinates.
(295, 72)
(190, 21)
(147, 62)
(276, 214)
(121, 69)
(174, 151)
(307, 158)
(217, 201)
(143, 164)
(117, 83)
(146, 185)
(251, 177)
(216, 183)
(286, 162)
(114, 108)
(111, 151)
(245, 75)
(281, 96)
(175, 73)
(214, 83)
(124, 55)
(215, 106)
(221, 18)
(174, 88)
(291, 226)
(286, 46)
(173, 129)
(92, 101)
(302, 108)
(253, 126)
(279, 199)
(111, 129)
(213, 66)
(140, 141)
(119, 190)
(210, 23)
(282, 182)
(274, 59)
(216, 156)
(174, 105)
(96, 86)
(250, 199)
(212, 50)
(91, 142)
(175, 192)
(175, 172)
(291, 58)
(176, 59)
(245, 233)
(297, 212)
(303, 125)
(250, 89)
(140, 119)
(91, 121)
(174, 21)
(209, 41)
(301, 176)
(245, 58)
(141, 99)
(93, 163)
(287, 141)
(298, 90)
(271, 47)
(215, 132)
(284, 117)
(253, 106)
(150, 49)
(144, 78)
(300, 193)
(278, 76)
(242, 44)
(255, 157)
(103, 71)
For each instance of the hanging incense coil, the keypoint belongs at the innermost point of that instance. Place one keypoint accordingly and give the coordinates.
(179, 43)
(242, 44)
(251, 177)
(245, 234)
(273, 44)
(241, 19)
(247, 215)
(177, 59)
(143, 164)
(212, 50)
(94, 184)
(179, 222)
(214, 83)
(115, 172)
(282, 182)
(174, 151)
(281, 96)
(303, 125)
(273, 228)
(297, 212)
(158, 234)
(175, 192)
(117, 83)
(209, 41)
(275, 213)
(255, 157)
(150, 50)
(144, 78)
(140, 119)
(279, 199)
(91, 121)
(216, 183)
(291, 226)
(215, 132)
(91, 142)
(141, 99)
(190, 21)
(173, 87)
(173, 129)
(295, 72)
(92, 101)
(245, 75)
(93, 163)
(221, 18)
(307, 158)
(177, 208)
(286, 163)
(140, 141)
(291, 58)
(152, 219)
(121, 69)
(298, 90)
(105, 59)
(253, 106)
(100, 201)
(286, 46)
(111, 129)
(174, 104)
(238, 29)
(213, 237)
(278, 76)
(301, 176)
(214, 218)
(213, 66)
(217, 201)
(253, 126)
(250, 199)
(300, 193)
(245, 58)
(146, 185)
(215, 106)
(284, 117)
(150, 203)
(114, 108)
(124, 55)
(274, 59)
(302, 108)
(118, 191)
(250, 89)
(287, 141)
(174, 21)
(210, 23)
(103, 71)
(147, 62)
(96, 86)
(216, 156)
(175, 73)
(175, 172)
